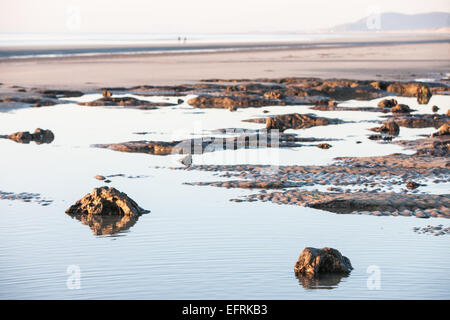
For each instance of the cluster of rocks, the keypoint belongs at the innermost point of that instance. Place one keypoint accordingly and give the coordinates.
(243, 93)
(39, 136)
(438, 230)
(25, 197)
(393, 106)
(371, 185)
(247, 140)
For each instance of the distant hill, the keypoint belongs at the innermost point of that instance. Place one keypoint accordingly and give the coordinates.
(391, 21)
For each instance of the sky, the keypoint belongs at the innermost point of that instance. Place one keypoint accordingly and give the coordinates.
(195, 16)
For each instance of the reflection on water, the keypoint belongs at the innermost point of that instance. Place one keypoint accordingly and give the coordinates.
(324, 281)
(106, 225)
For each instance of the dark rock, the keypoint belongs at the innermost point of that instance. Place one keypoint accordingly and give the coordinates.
(412, 185)
(435, 109)
(246, 101)
(406, 89)
(106, 201)
(39, 136)
(401, 108)
(380, 137)
(294, 121)
(324, 146)
(390, 127)
(387, 103)
(444, 130)
(423, 94)
(421, 120)
(61, 93)
(125, 102)
(313, 262)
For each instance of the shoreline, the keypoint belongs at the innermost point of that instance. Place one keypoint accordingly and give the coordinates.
(393, 61)
(8, 53)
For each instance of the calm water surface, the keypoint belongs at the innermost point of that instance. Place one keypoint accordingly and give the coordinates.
(195, 243)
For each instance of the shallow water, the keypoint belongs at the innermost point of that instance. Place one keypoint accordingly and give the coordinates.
(195, 243)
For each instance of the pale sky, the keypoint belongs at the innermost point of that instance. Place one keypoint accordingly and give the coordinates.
(195, 16)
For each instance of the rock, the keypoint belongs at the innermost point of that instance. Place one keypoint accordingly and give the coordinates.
(387, 103)
(275, 124)
(106, 201)
(412, 185)
(274, 95)
(406, 89)
(401, 108)
(423, 94)
(98, 177)
(232, 108)
(444, 130)
(39, 136)
(421, 120)
(125, 102)
(180, 101)
(435, 109)
(60, 93)
(294, 121)
(324, 146)
(390, 127)
(247, 101)
(313, 262)
(106, 93)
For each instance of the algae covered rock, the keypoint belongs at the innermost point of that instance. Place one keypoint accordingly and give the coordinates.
(313, 262)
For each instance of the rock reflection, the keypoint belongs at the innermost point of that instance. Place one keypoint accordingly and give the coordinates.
(106, 225)
(324, 281)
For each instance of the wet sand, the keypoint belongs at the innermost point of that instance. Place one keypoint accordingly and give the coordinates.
(392, 61)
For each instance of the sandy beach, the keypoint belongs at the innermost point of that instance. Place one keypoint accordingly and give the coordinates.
(366, 59)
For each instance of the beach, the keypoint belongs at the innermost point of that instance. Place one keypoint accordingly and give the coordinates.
(380, 58)
(204, 175)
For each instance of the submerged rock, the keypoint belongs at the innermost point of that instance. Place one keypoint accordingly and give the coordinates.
(106, 201)
(313, 262)
(39, 136)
